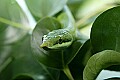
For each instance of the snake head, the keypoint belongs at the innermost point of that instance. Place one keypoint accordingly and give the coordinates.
(57, 39)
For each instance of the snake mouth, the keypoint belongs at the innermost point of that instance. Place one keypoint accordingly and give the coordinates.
(60, 41)
(46, 46)
(55, 47)
(61, 46)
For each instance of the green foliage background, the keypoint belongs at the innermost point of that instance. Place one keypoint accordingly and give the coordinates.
(17, 61)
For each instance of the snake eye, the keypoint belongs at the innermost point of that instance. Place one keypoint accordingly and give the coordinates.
(60, 41)
(42, 38)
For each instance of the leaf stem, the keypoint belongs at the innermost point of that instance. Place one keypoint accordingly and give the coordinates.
(66, 70)
(2, 67)
(14, 24)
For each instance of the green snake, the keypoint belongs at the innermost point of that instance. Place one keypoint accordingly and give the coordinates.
(61, 38)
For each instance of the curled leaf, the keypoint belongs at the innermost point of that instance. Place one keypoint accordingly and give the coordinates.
(100, 61)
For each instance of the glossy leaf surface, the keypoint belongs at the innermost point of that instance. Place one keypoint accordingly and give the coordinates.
(105, 33)
(100, 61)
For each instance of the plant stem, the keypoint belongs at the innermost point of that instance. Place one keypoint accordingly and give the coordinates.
(14, 24)
(2, 67)
(66, 70)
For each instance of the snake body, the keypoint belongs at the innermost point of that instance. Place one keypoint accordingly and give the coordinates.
(61, 38)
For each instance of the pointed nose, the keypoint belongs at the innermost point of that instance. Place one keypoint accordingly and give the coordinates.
(44, 45)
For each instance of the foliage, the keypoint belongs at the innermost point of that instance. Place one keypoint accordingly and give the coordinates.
(21, 57)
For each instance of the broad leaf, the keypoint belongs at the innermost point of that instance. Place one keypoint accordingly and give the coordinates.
(42, 8)
(100, 61)
(105, 33)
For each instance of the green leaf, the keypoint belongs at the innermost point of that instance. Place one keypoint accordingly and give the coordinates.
(24, 66)
(51, 58)
(100, 61)
(105, 31)
(42, 8)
